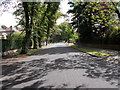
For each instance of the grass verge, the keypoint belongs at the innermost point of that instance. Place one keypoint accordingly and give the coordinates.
(89, 51)
(31, 51)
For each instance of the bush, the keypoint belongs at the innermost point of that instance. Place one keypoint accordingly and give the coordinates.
(18, 36)
(13, 41)
(114, 36)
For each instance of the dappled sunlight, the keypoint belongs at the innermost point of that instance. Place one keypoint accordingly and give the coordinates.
(55, 46)
(75, 69)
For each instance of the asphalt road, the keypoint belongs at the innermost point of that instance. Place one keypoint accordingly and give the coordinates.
(59, 66)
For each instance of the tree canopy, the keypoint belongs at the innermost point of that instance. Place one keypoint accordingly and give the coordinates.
(92, 22)
(95, 21)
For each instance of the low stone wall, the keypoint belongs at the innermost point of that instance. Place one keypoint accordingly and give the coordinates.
(10, 53)
(102, 46)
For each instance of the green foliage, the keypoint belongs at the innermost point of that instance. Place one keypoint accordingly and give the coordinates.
(18, 35)
(86, 15)
(64, 32)
(74, 37)
(14, 41)
(38, 19)
(31, 51)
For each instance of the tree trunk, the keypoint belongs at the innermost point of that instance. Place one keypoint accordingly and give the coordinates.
(27, 30)
(39, 40)
(35, 42)
(31, 26)
(48, 32)
(28, 26)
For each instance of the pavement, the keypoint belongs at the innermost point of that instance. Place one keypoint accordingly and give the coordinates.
(59, 66)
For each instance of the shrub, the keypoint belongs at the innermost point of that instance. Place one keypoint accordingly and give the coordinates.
(14, 41)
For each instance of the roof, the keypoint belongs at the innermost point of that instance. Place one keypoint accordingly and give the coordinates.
(10, 29)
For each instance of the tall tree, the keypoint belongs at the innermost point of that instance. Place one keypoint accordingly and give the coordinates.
(26, 40)
(86, 15)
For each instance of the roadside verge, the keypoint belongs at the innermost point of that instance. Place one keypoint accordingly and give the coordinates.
(15, 53)
(91, 52)
(112, 58)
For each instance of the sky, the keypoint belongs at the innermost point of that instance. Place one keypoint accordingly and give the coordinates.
(9, 20)
(64, 8)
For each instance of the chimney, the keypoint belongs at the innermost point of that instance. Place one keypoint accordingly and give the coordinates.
(11, 28)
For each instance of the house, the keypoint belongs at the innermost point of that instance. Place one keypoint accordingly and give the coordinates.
(3, 34)
(4, 31)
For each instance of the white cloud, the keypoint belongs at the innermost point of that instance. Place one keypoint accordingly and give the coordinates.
(64, 7)
(7, 19)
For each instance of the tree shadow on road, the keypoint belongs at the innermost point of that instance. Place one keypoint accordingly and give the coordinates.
(55, 50)
(23, 72)
(34, 70)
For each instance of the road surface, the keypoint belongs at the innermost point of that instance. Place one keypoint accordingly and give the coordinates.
(59, 66)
